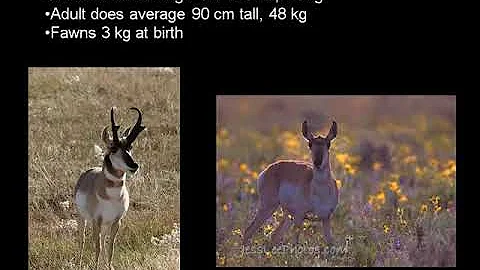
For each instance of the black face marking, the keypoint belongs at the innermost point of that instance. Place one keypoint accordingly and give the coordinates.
(120, 145)
(125, 148)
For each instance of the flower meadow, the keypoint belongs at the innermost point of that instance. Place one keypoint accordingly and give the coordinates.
(396, 176)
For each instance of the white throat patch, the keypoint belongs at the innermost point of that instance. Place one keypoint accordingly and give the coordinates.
(118, 162)
(114, 178)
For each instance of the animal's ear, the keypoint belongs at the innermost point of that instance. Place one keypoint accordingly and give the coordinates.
(332, 133)
(306, 132)
(105, 138)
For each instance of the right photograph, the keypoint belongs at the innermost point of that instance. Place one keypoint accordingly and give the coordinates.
(362, 181)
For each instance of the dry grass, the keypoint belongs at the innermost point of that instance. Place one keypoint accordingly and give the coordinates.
(68, 108)
(395, 209)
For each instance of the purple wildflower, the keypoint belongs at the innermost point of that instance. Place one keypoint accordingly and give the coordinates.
(397, 243)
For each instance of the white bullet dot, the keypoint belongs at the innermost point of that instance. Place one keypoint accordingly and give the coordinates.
(47, 32)
(47, 13)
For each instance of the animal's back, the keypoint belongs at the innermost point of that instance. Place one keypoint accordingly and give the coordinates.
(282, 178)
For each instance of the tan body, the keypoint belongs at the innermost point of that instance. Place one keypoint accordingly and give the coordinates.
(103, 200)
(103, 203)
(300, 188)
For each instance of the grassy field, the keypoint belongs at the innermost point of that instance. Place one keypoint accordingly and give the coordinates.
(395, 164)
(68, 108)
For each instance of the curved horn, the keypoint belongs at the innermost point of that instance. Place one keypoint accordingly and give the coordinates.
(105, 137)
(114, 127)
(137, 128)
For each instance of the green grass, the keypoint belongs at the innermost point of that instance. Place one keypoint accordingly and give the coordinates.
(68, 108)
(399, 216)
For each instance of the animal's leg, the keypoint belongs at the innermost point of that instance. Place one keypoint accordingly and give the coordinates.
(282, 228)
(327, 230)
(104, 235)
(97, 240)
(298, 221)
(263, 214)
(82, 223)
(113, 235)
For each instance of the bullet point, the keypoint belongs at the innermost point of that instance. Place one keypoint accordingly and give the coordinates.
(47, 32)
(47, 13)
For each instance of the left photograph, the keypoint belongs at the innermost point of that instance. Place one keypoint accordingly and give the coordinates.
(104, 168)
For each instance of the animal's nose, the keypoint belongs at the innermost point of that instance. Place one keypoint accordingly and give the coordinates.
(134, 167)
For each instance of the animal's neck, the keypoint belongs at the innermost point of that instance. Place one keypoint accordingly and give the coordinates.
(113, 176)
(110, 183)
(323, 172)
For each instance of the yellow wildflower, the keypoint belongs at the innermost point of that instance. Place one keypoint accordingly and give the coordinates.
(221, 260)
(394, 186)
(246, 180)
(377, 166)
(349, 169)
(419, 171)
(237, 232)
(381, 197)
(292, 143)
(410, 159)
(435, 200)
(222, 163)
(339, 184)
(267, 229)
(243, 167)
(342, 158)
(386, 229)
(223, 133)
(451, 163)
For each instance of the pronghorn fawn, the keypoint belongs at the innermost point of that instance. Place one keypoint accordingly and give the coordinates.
(303, 190)
(100, 193)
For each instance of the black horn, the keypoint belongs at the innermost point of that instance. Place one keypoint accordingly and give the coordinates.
(114, 127)
(137, 128)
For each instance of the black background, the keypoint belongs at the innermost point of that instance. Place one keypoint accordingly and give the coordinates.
(346, 47)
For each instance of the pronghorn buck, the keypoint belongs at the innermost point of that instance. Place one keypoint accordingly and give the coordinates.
(303, 190)
(101, 195)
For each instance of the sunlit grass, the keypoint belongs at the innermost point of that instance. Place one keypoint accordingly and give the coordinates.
(67, 109)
